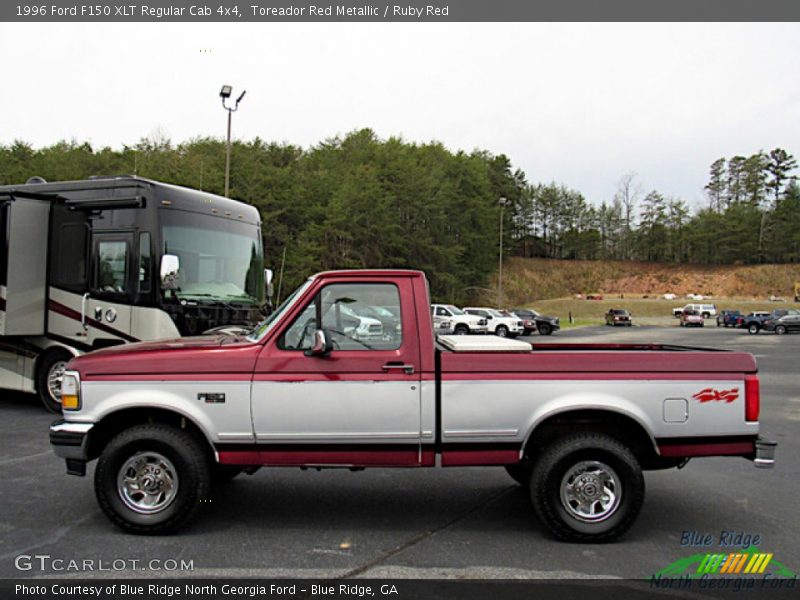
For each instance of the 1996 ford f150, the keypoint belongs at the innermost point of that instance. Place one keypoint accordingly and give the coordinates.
(577, 424)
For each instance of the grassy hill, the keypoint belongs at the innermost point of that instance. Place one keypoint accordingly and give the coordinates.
(530, 280)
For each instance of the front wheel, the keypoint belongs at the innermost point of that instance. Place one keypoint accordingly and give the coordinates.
(753, 328)
(587, 487)
(544, 329)
(461, 330)
(151, 479)
(501, 331)
(780, 329)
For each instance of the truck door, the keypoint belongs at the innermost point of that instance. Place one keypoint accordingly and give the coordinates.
(358, 406)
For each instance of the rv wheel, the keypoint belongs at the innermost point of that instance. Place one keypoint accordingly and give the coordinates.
(48, 378)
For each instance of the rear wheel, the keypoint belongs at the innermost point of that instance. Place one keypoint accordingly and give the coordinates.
(587, 487)
(151, 479)
(49, 374)
(780, 329)
(706, 315)
(545, 329)
(753, 328)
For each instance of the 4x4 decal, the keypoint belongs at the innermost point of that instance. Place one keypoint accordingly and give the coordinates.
(712, 395)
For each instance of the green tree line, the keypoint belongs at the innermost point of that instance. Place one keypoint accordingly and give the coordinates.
(360, 201)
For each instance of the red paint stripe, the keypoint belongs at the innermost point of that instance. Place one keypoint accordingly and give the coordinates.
(745, 448)
(66, 311)
(565, 376)
(181, 377)
(478, 457)
(303, 377)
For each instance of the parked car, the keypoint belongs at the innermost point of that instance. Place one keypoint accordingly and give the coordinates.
(528, 325)
(462, 322)
(544, 325)
(706, 310)
(497, 323)
(692, 318)
(728, 318)
(786, 322)
(619, 316)
(753, 321)
(443, 327)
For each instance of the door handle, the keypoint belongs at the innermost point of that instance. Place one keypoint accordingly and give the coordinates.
(84, 300)
(407, 369)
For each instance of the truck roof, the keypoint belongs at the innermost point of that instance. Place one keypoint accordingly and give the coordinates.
(120, 191)
(372, 273)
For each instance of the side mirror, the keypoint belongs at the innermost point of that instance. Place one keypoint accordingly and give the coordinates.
(269, 289)
(322, 345)
(170, 278)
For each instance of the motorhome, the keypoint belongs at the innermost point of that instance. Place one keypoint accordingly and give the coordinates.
(109, 260)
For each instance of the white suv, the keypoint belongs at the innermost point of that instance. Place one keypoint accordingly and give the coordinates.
(462, 322)
(706, 310)
(499, 324)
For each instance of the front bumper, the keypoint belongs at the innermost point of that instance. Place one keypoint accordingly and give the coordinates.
(765, 453)
(70, 440)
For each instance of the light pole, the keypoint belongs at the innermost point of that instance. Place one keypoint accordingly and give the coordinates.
(225, 93)
(503, 203)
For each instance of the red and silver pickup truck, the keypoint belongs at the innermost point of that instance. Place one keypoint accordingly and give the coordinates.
(577, 424)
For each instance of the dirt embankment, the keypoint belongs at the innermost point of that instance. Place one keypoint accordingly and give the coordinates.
(529, 279)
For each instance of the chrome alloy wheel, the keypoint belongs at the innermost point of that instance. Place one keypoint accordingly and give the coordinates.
(54, 377)
(590, 491)
(147, 483)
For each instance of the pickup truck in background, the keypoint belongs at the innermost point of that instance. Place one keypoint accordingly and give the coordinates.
(576, 424)
(462, 323)
(728, 318)
(753, 321)
(497, 323)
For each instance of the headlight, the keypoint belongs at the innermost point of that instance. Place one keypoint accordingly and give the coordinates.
(70, 392)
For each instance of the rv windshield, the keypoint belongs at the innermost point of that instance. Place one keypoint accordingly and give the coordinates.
(221, 259)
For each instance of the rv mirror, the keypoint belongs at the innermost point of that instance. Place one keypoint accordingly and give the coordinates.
(170, 265)
(269, 289)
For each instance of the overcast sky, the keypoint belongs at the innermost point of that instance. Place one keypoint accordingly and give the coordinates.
(579, 104)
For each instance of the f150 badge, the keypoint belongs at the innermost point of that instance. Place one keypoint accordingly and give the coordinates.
(211, 398)
(712, 395)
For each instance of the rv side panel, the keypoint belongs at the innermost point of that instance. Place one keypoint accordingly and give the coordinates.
(26, 269)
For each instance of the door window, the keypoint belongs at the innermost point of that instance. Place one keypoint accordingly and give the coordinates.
(111, 267)
(362, 316)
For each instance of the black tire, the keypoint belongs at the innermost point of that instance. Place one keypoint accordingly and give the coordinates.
(706, 315)
(190, 471)
(545, 329)
(521, 473)
(780, 329)
(48, 366)
(501, 331)
(221, 474)
(461, 329)
(592, 450)
(753, 328)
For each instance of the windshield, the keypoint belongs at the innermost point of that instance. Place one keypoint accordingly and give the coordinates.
(220, 259)
(265, 325)
(454, 309)
(495, 313)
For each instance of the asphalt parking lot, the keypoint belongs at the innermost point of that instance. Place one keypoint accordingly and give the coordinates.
(463, 522)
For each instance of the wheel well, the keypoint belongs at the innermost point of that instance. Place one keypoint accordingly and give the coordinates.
(621, 427)
(111, 425)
